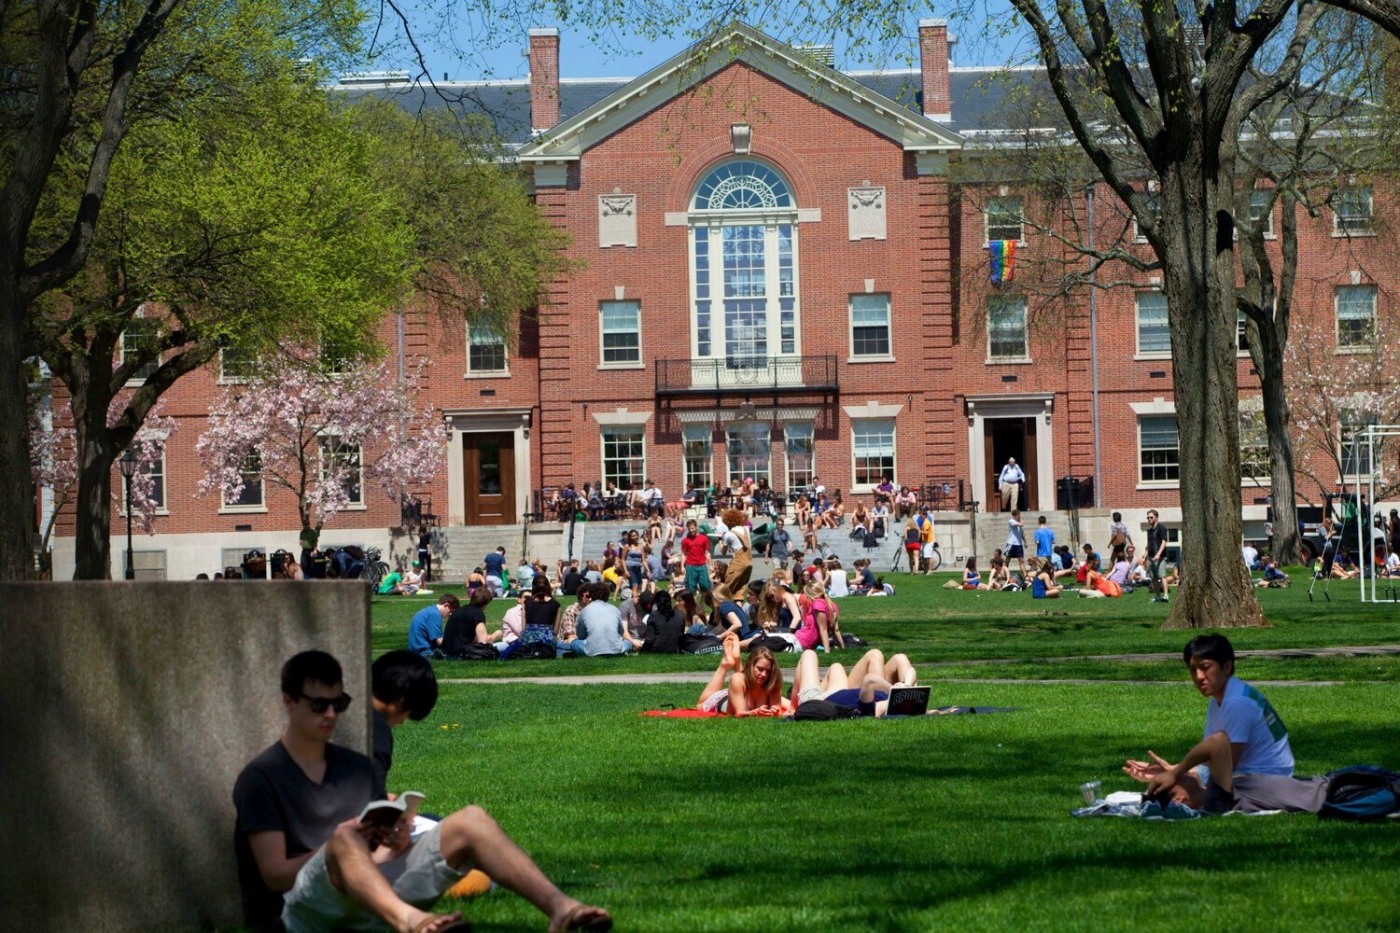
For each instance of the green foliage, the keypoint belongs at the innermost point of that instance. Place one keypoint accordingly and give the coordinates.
(483, 251)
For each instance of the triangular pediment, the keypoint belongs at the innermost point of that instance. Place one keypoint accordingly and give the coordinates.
(739, 43)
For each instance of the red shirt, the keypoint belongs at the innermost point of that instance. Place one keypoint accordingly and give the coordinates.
(696, 548)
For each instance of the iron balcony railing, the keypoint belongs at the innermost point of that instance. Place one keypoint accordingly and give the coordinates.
(747, 374)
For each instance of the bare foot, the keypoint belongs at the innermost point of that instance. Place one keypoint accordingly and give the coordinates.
(420, 922)
(578, 916)
(732, 655)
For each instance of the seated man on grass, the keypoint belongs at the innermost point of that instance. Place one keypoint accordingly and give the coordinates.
(1244, 762)
(304, 856)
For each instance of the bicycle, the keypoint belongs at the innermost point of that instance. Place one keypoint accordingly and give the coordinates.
(375, 569)
(934, 562)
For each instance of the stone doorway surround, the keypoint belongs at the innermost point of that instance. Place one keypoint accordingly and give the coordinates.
(980, 409)
(515, 420)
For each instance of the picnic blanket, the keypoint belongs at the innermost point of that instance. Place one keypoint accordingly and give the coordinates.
(690, 713)
(1130, 805)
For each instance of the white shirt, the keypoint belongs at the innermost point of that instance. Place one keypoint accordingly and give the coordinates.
(1249, 720)
(1011, 473)
(1251, 556)
(836, 583)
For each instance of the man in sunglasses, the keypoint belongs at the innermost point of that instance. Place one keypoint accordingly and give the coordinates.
(298, 834)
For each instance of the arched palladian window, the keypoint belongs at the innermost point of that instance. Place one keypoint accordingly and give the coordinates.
(743, 222)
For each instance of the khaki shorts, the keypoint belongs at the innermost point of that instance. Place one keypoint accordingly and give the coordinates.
(811, 693)
(419, 877)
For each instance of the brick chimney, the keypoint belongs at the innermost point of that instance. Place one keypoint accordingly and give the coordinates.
(544, 78)
(933, 58)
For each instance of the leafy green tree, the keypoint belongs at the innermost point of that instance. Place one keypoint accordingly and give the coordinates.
(76, 78)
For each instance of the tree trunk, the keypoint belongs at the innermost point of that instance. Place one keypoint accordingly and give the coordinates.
(1199, 280)
(1285, 544)
(92, 542)
(17, 503)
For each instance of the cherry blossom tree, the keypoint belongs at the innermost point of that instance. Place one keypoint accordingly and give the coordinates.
(1333, 395)
(53, 464)
(320, 436)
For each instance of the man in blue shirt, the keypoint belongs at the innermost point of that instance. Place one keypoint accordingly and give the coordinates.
(1244, 762)
(1044, 540)
(425, 631)
(495, 564)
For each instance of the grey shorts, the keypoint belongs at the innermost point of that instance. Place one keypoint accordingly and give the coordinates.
(419, 877)
(811, 693)
(1255, 792)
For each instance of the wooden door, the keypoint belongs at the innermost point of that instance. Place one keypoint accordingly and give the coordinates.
(1004, 438)
(489, 472)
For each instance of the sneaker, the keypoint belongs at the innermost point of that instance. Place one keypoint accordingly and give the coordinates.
(425, 592)
(1159, 599)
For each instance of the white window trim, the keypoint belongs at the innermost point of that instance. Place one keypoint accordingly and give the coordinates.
(1250, 406)
(1339, 233)
(360, 506)
(1269, 233)
(894, 458)
(1155, 410)
(710, 457)
(1025, 358)
(619, 428)
(770, 219)
(235, 509)
(987, 225)
(641, 359)
(1353, 349)
(164, 508)
(502, 373)
(225, 379)
(140, 315)
(856, 358)
(1138, 236)
(1138, 352)
(787, 463)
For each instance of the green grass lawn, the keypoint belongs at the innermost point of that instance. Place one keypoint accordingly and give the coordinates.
(938, 823)
(944, 822)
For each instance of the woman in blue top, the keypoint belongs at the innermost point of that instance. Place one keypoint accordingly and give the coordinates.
(972, 580)
(1044, 585)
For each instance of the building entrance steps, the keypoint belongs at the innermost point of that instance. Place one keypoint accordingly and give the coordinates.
(461, 548)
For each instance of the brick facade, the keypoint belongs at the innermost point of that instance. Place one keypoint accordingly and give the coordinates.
(956, 408)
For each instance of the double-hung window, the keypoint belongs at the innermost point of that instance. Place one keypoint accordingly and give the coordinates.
(621, 332)
(1153, 333)
(1351, 211)
(624, 457)
(486, 351)
(1356, 317)
(1006, 329)
(872, 451)
(870, 325)
(1005, 219)
(1159, 455)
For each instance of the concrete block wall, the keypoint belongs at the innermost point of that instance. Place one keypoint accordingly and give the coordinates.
(127, 711)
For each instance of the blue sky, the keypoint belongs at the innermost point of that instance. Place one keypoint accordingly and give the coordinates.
(466, 49)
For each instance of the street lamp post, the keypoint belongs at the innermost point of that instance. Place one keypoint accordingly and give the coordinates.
(127, 464)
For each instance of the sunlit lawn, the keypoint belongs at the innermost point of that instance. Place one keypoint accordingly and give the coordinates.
(937, 823)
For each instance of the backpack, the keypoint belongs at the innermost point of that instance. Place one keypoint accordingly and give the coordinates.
(701, 644)
(535, 651)
(772, 643)
(854, 641)
(1361, 792)
(821, 710)
(480, 653)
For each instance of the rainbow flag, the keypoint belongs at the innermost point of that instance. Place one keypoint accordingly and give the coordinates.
(1001, 257)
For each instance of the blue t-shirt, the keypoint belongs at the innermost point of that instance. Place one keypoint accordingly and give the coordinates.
(725, 608)
(1037, 588)
(1044, 541)
(425, 629)
(1249, 719)
(495, 565)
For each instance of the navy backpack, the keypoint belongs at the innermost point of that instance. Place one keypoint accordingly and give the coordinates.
(1361, 792)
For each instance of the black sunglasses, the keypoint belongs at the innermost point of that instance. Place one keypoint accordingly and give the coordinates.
(320, 704)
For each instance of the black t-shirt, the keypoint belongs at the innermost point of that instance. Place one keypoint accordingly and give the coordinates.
(664, 633)
(460, 630)
(572, 579)
(1156, 537)
(273, 794)
(541, 612)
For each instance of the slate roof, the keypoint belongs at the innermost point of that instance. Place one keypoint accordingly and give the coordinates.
(984, 99)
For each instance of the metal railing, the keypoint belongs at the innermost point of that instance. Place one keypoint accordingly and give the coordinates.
(747, 373)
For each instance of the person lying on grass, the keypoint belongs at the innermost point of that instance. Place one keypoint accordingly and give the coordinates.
(298, 831)
(1245, 761)
(745, 688)
(873, 675)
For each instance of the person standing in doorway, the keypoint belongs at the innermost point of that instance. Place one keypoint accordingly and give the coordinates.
(1010, 481)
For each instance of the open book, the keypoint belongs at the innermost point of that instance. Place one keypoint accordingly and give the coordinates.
(385, 813)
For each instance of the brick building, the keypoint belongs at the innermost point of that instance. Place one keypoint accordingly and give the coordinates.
(780, 278)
